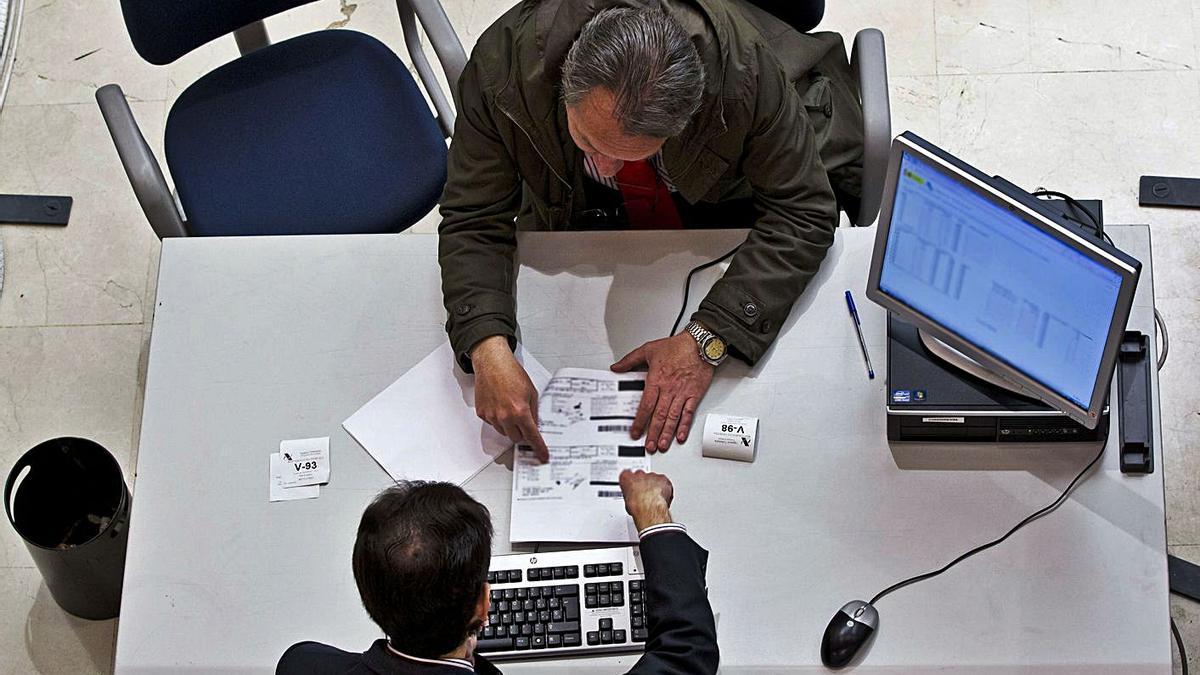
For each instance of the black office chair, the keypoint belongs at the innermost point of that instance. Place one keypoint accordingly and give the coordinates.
(869, 58)
(324, 133)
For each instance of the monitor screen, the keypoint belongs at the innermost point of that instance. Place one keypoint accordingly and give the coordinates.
(1000, 283)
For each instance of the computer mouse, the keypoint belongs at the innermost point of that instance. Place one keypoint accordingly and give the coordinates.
(847, 632)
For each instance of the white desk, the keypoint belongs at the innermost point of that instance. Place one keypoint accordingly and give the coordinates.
(262, 339)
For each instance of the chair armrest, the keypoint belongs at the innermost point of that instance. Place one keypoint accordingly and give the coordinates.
(869, 59)
(446, 45)
(140, 165)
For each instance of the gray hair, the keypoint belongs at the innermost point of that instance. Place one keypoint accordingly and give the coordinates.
(646, 60)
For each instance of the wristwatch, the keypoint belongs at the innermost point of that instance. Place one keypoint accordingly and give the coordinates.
(712, 348)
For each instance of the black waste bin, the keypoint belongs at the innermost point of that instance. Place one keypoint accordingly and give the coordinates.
(68, 501)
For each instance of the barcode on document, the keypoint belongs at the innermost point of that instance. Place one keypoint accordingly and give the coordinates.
(612, 427)
(609, 493)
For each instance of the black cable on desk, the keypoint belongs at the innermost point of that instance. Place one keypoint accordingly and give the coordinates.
(1183, 662)
(979, 549)
(687, 286)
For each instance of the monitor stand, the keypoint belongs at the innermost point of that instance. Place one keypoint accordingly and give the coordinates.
(953, 357)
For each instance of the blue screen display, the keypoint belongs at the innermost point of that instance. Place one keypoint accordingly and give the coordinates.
(996, 281)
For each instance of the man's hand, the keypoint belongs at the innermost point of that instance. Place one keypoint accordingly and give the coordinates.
(504, 395)
(647, 497)
(677, 380)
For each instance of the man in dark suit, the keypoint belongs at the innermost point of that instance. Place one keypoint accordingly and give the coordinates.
(421, 561)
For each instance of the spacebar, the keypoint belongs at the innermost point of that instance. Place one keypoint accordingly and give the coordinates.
(494, 645)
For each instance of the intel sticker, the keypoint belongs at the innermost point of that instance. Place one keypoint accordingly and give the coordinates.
(902, 396)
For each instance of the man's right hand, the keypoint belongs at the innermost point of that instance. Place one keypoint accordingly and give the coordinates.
(647, 497)
(504, 395)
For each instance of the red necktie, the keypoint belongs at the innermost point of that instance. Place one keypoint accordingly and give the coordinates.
(648, 203)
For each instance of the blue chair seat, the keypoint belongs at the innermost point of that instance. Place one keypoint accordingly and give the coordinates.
(325, 133)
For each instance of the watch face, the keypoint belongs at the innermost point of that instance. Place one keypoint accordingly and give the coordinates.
(714, 348)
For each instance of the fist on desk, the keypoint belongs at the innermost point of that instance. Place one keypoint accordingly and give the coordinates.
(648, 497)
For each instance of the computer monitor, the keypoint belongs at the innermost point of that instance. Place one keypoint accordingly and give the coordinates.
(1036, 300)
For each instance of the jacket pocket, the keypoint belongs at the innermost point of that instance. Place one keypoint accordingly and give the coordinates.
(818, 103)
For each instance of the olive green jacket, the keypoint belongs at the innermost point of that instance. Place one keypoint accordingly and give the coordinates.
(780, 121)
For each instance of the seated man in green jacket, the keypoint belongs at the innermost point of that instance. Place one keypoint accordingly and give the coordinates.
(638, 114)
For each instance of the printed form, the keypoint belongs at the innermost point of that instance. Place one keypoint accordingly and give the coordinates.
(584, 416)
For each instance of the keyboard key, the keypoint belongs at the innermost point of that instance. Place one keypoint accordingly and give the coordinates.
(502, 606)
(571, 609)
(501, 631)
(534, 573)
(539, 629)
(637, 610)
(487, 633)
(538, 641)
(640, 635)
(590, 589)
(494, 645)
(522, 593)
(606, 637)
(497, 594)
(557, 615)
(526, 629)
(540, 604)
(606, 624)
(604, 600)
(616, 587)
(618, 601)
(613, 568)
(572, 639)
(510, 594)
(506, 618)
(553, 640)
(494, 617)
(593, 637)
(589, 570)
(514, 576)
(518, 617)
(568, 590)
(573, 572)
(637, 622)
(528, 605)
(590, 602)
(544, 616)
(554, 603)
(635, 585)
(491, 577)
(564, 627)
(634, 596)
(521, 643)
(619, 637)
(560, 573)
(602, 570)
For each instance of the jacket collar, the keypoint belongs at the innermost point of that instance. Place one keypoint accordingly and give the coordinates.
(382, 658)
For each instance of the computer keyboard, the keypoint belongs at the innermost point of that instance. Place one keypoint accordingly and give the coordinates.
(565, 603)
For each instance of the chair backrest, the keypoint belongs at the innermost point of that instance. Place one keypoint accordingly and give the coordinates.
(803, 15)
(164, 30)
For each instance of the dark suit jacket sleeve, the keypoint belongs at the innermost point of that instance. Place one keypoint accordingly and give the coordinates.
(683, 634)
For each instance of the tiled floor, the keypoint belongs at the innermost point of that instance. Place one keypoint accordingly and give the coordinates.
(1076, 95)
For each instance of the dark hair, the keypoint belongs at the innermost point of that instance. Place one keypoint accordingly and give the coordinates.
(645, 58)
(420, 561)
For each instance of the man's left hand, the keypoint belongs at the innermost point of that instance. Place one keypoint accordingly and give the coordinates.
(678, 378)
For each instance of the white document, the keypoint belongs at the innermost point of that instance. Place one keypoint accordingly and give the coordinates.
(424, 425)
(279, 493)
(584, 416)
(305, 461)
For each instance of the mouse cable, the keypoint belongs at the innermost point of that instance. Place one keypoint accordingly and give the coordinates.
(1183, 662)
(1166, 339)
(983, 547)
(1074, 204)
(687, 286)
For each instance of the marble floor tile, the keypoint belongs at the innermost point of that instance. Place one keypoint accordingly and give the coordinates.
(915, 106)
(907, 25)
(37, 636)
(1018, 36)
(1091, 135)
(93, 270)
(66, 381)
(69, 48)
(1187, 615)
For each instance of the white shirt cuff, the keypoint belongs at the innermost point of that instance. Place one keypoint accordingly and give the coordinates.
(662, 527)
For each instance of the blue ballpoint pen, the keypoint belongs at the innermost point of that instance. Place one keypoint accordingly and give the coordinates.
(858, 329)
